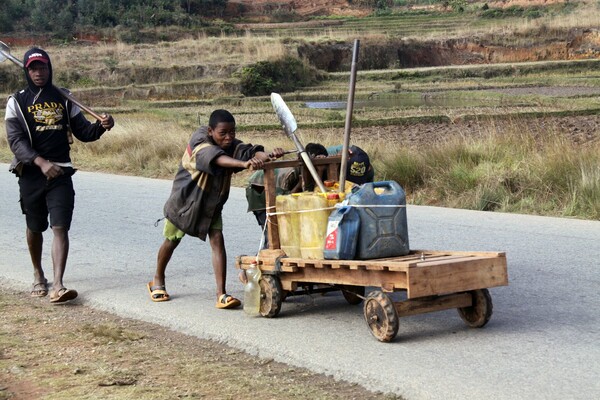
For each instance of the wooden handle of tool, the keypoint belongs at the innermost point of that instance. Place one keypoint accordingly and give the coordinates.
(5, 51)
(85, 108)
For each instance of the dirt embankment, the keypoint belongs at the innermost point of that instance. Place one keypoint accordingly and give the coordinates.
(334, 56)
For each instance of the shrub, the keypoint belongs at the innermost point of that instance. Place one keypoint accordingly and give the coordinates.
(533, 14)
(283, 75)
(512, 11)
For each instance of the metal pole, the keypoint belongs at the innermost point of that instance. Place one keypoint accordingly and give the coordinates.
(349, 109)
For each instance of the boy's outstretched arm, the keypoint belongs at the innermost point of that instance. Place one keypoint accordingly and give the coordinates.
(224, 161)
(256, 162)
(260, 157)
(276, 153)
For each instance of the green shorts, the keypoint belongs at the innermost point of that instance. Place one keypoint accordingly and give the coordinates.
(174, 234)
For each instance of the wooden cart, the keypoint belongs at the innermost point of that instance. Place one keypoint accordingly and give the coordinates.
(432, 280)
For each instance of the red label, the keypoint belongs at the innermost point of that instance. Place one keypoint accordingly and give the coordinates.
(331, 240)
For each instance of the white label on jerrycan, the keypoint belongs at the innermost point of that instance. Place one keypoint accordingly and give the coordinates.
(332, 235)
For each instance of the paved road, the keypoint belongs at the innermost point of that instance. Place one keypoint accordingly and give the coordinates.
(543, 341)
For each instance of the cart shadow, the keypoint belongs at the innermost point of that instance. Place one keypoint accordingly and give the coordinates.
(419, 328)
(326, 304)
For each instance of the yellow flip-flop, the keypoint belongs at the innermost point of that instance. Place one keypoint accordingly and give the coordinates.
(227, 301)
(158, 293)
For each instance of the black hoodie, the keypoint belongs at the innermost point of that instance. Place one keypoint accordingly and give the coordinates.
(40, 125)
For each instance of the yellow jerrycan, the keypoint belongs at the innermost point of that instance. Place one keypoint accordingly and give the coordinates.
(288, 222)
(314, 214)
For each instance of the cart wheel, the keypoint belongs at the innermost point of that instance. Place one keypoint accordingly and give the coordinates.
(480, 312)
(353, 294)
(270, 296)
(381, 316)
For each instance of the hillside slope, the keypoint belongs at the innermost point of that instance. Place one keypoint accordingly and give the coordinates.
(264, 8)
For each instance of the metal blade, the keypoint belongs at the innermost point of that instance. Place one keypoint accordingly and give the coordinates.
(5, 51)
(286, 118)
(4, 48)
(288, 123)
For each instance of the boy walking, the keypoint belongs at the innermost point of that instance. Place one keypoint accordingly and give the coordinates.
(38, 120)
(200, 190)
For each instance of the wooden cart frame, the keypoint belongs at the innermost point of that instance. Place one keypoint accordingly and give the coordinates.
(432, 280)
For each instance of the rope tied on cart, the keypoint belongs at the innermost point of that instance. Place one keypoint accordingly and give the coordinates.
(338, 205)
(262, 241)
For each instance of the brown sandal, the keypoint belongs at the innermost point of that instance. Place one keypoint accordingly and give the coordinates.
(62, 295)
(40, 289)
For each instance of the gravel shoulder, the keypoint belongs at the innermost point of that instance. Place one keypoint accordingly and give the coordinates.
(73, 351)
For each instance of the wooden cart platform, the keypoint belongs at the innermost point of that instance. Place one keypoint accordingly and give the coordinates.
(421, 273)
(433, 280)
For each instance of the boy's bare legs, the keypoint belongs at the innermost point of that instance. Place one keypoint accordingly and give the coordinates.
(35, 241)
(219, 259)
(60, 252)
(164, 256)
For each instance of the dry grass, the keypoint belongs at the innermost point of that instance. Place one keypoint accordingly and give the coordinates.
(203, 50)
(145, 147)
(507, 168)
(511, 165)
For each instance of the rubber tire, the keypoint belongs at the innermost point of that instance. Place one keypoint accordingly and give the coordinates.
(381, 317)
(477, 315)
(270, 296)
(350, 293)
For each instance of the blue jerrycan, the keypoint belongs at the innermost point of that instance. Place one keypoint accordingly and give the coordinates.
(342, 233)
(383, 229)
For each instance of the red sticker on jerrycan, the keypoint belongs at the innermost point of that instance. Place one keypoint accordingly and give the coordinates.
(332, 235)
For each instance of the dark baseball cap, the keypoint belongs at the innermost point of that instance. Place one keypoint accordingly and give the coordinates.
(359, 169)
